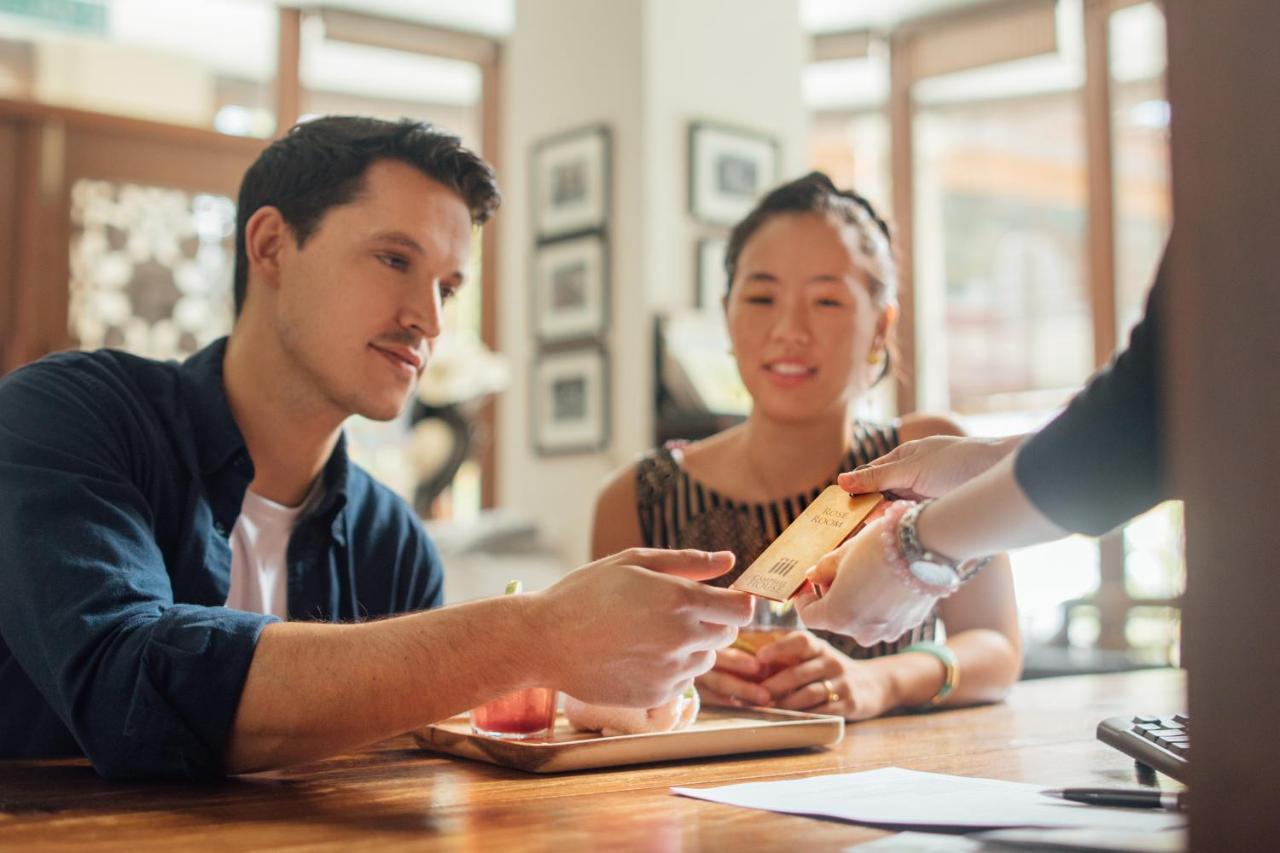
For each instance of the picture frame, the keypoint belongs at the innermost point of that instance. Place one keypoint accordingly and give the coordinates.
(571, 175)
(729, 169)
(709, 274)
(571, 288)
(570, 397)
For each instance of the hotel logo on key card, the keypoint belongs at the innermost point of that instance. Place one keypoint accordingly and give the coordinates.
(829, 520)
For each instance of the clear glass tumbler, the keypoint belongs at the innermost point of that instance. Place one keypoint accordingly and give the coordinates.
(770, 622)
(525, 714)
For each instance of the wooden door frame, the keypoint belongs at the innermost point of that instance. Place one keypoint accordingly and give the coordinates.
(918, 49)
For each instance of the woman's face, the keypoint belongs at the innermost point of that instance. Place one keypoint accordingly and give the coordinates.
(801, 317)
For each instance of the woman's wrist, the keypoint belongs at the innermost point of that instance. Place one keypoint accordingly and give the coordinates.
(924, 571)
(911, 680)
(1009, 444)
(935, 531)
(943, 654)
(985, 516)
(897, 537)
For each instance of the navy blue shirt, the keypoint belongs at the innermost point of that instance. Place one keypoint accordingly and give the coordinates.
(1103, 460)
(120, 481)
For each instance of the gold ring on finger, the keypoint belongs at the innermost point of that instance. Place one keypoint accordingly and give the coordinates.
(832, 696)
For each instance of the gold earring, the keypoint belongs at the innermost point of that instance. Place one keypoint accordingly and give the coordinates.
(875, 358)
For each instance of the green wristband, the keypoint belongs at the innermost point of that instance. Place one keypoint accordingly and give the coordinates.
(952, 666)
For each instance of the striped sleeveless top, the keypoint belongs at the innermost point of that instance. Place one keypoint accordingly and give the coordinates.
(677, 511)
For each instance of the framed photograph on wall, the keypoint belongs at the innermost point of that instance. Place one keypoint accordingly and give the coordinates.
(571, 288)
(710, 275)
(729, 169)
(570, 182)
(571, 401)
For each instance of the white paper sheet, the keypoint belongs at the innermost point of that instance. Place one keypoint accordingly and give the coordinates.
(1037, 840)
(893, 796)
(919, 842)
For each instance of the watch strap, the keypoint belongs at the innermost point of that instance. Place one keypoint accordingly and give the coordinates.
(913, 549)
(890, 535)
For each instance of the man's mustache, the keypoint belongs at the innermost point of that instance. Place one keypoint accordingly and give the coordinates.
(402, 338)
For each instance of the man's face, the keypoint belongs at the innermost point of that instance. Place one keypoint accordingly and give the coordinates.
(359, 304)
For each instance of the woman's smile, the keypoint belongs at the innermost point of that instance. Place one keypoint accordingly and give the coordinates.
(789, 373)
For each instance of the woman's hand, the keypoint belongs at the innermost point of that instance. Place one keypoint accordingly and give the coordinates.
(814, 672)
(862, 596)
(733, 680)
(929, 467)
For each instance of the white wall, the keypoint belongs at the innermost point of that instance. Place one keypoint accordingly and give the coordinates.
(646, 68)
(726, 62)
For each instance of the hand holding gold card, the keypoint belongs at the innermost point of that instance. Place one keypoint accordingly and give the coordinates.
(833, 517)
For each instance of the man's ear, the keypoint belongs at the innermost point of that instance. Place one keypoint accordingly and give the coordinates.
(266, 235)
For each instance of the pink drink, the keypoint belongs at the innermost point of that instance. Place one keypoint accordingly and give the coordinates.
(524, 714)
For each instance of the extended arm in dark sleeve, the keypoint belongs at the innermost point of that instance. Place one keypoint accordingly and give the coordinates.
(1102, 460)
(147, 687)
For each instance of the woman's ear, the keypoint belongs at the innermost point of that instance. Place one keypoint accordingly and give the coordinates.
(884, 325)
(265, 237)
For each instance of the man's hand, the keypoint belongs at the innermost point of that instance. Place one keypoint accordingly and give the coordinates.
(635, 628)
(928, 467)
(862, 597)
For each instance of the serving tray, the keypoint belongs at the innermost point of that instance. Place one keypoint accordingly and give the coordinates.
(717, 731)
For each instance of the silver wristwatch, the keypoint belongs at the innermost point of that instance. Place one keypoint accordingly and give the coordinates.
(930, 567)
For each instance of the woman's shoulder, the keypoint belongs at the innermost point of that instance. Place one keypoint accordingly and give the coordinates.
(924, 424)
(644, 479)
(873, 439)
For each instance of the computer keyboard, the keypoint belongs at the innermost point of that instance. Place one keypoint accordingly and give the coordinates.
(1159, 742)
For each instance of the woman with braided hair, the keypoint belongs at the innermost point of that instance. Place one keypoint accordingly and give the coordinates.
(810, 303)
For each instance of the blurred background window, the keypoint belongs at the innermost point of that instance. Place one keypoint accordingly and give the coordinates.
(1140, 154)
(1004, 324)
(209, 64)
(850, 141)
(847, 101)
(1004, 327)
(1154, 567)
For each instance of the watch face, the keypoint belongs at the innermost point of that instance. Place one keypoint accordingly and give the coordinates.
(934, 574)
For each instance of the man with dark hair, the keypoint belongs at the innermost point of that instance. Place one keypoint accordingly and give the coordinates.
(158, 522)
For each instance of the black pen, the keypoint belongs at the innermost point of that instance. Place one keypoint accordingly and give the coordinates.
(1133, 798)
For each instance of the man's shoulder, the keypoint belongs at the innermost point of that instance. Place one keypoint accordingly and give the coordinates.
(97, 383)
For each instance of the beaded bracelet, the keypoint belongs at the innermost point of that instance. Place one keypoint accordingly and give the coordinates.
(897, 559)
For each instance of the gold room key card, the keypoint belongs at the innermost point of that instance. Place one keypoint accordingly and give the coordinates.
(829, 520)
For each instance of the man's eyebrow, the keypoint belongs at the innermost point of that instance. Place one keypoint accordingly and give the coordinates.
(762, 276)
(402, 239)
